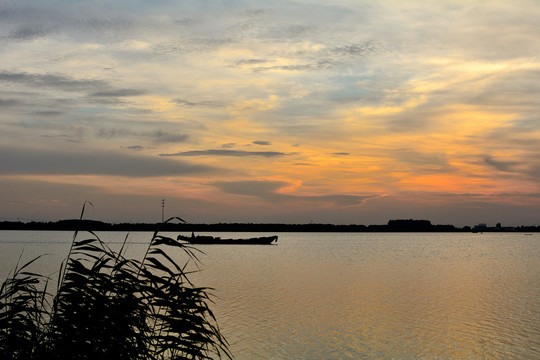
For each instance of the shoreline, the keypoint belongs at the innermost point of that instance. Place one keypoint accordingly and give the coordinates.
(392, 226)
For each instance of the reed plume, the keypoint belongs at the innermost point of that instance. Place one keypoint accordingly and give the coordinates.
(107, 306)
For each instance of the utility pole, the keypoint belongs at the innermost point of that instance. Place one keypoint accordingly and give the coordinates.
(162, 210)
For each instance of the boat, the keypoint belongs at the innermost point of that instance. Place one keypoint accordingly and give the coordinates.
(211, 240)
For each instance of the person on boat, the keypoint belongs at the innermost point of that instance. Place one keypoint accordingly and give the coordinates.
(192, 235)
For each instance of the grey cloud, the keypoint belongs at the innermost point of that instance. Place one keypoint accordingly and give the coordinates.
(260, 142)
(534, 172)
(119, 93)
(415, 157)
(404, 123)
(158, 136)
(298, 30)
(16, 12)
(185, 102)
(114, 133)
(256, 12)
(49, 127)
(210, 43)
(512, 90)
(32, 21)
(237, 153)
(61, 136)
(320, 65)
(9, 102)
(356, 49)
(52, 80)
(499, 165)
(203, 103)
(253, 61)
(192, 45)
(252, 188)
(29, 161)
(319, 59)
(423, 163)
(186, 21)
(96, 88)
(344, 200)
(228, 145)
(25, 34)
(341, 153)
(48, 113)
(167, 48)
(267, 190)
(290, 31)
(135, 147)
(527, 125)
(520, 137)
(164, 136)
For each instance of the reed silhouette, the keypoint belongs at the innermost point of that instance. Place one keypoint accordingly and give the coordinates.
(107, 306)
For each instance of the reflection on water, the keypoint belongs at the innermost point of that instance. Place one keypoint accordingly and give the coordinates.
(367, 296)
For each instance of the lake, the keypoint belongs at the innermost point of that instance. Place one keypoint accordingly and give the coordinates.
(354, 295)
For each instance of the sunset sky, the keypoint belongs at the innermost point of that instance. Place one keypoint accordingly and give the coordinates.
(346, 112)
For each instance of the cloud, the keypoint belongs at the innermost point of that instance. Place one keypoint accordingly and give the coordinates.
(161, 136)
(263, 189)
(9, 102)
(95, 88)
(58, 81)
(48, 113)
(318, 65)
(119, 93)
(262, 142)
(501, 91)
(202, 103)
(344, 200)
(356, 49)
(25, 34)
(156, 136)
(267, 190)
(43, 123)
(415, 157)
(253, 61)
(186, 21)
(237, 153)
(399, 89)
(16, 161)
(318, 58)
(194, 44)
(111, 133)
(499, 165)
(24, 21)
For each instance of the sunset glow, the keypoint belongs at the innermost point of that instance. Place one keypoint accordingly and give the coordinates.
(290, 111)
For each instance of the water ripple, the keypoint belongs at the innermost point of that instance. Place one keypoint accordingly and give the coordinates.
(374, 296)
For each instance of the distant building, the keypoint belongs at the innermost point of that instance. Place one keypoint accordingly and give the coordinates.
(484, 228)
(479, 228)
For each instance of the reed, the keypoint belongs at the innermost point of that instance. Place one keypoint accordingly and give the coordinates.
(107, 306)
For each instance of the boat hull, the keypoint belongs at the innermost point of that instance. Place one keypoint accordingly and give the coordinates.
(211, 240)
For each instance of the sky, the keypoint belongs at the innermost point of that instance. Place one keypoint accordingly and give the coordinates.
(344, 112)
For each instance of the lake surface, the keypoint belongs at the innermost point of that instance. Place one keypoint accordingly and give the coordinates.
(355, 295)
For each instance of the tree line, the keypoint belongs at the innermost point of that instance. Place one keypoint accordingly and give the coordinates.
(400, 225)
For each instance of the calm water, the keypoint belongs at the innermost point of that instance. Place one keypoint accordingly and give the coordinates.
(357, 296)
